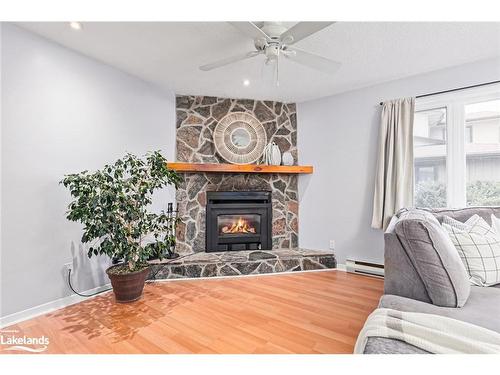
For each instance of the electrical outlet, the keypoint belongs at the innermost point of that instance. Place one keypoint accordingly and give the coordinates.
(332, 244)
(68, 266)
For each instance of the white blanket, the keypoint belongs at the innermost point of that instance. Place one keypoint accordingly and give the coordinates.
(433, 333)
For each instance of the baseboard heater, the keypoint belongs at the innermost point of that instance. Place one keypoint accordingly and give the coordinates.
(365, 268)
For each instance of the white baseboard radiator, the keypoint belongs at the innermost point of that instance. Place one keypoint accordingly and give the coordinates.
(364, 268)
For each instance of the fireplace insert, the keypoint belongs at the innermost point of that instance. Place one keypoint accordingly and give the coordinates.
(238, 220)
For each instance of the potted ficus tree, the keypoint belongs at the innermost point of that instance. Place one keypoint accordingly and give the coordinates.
(113, 205)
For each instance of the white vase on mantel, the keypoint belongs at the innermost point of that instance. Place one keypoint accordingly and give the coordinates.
(287, 158)
(272, 154)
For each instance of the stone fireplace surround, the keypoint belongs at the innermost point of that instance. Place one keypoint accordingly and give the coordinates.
(196, 119)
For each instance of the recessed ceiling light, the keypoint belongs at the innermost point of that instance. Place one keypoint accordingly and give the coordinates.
(246, 82)
(75, 25)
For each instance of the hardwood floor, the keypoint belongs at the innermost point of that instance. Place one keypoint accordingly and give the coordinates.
(313, 312)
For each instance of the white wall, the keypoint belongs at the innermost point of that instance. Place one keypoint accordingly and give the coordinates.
(63, 113)
(339, 135)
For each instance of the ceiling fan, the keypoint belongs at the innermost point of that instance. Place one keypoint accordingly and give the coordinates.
(274, 40)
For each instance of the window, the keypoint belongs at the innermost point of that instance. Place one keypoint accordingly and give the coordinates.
(457, 148)
(482, 154)
(429, 142)
(426, 173)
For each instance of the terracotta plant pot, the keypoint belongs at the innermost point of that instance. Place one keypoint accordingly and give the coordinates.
(128, 287)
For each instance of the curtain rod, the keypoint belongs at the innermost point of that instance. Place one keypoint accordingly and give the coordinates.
(457, 89)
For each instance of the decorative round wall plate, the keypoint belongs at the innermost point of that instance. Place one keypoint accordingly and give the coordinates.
(240, 138)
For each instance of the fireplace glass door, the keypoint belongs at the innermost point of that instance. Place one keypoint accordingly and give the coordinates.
(238, 224)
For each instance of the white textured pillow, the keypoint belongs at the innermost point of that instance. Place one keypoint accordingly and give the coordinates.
(495, 224)
(458, 224)
(479, 248)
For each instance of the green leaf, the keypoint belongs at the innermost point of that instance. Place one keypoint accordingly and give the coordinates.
(112, 204)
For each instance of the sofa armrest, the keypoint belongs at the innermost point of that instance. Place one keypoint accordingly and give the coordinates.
(400, 277)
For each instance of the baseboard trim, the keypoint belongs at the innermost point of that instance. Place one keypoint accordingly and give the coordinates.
(72, 299)
(48, 307)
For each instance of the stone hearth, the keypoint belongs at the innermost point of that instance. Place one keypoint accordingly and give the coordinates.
(252, 262)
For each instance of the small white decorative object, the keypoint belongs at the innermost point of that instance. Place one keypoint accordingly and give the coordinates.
(266, 156)
(272, 154)
(287, 158)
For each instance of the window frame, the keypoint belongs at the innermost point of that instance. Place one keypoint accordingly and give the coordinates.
(455, 102)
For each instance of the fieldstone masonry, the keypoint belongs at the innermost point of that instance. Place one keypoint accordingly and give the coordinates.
(235, 263)
(197, 117)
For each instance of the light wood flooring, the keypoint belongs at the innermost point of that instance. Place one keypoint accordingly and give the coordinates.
(310, 312)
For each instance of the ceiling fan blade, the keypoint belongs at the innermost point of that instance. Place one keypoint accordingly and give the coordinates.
(250, 29)
(229, 60)
(313, 61)
(302, 30)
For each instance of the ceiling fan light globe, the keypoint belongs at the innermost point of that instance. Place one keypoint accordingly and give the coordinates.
(272, 51)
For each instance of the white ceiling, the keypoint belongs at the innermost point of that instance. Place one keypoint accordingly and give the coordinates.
(169, 53)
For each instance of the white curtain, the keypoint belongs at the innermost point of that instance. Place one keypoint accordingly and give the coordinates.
(394, 175)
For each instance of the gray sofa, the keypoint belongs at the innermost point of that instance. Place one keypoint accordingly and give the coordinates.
(420, 278)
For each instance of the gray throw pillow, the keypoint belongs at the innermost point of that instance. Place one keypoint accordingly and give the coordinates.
(434, 258)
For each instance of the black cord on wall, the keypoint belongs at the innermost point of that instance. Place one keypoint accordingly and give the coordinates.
(80, 294)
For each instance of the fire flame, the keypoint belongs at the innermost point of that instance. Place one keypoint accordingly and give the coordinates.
(240, 226)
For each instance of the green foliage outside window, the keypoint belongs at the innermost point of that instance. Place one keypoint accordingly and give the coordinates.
(432, 194)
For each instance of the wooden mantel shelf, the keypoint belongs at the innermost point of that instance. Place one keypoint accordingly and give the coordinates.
(239, 168)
